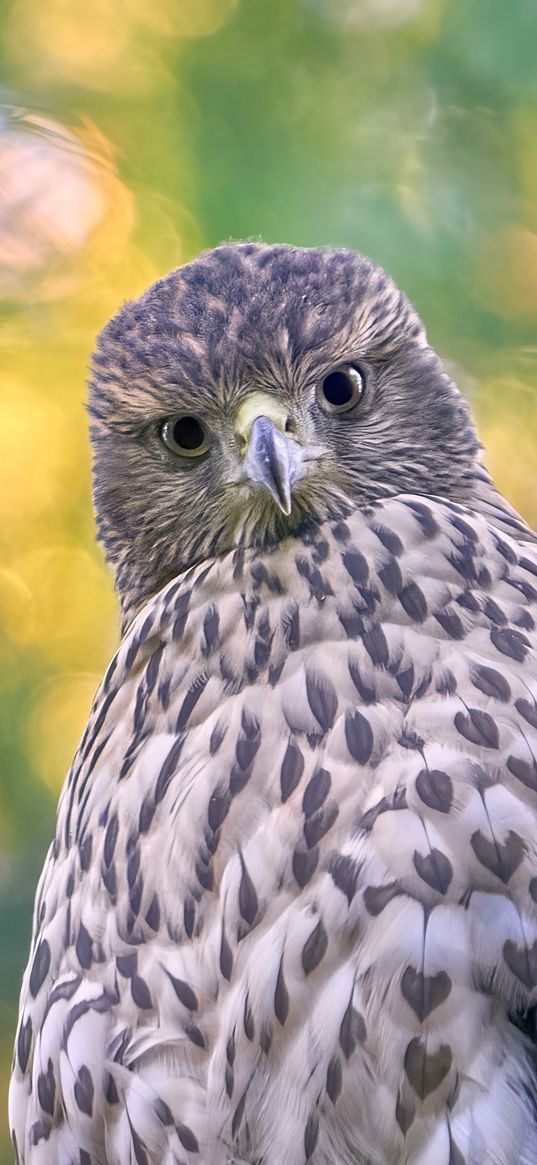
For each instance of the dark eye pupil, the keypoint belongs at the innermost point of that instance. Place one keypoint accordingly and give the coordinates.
(188, 433)
(338, 389)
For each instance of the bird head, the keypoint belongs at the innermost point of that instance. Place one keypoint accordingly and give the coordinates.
(254, 392)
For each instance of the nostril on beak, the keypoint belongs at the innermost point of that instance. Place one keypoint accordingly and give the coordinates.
(290, 426)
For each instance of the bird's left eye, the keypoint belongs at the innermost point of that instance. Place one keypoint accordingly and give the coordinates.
(341, 389)
(187, 436)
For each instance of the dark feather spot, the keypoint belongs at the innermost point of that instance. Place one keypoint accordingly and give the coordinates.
(352, 1031)
(463, 527)
(24, 1044)
(127, 965)
(85, 849)
(334, 1078)
(184, 992)
(494, 612)
(110, 839)
(196, 1037)
(217, 735)
(168, 768)
(359, 737)
(189, 916)
(424, 993)
(84, 947)
(376, 646)
(238, 1115)
(477, 727)
(344, 872)
(281, 996)
(46, 1089)
(147, 813)
(435, 869)
(501, 858)
(527, 711)
(389, 539)
(365, 691)
(204, 872)
(522, 961)
(317, 826)
(84, 1091)
(391, 577)
(248, 1020)
(291, 627)
(316, 792)
(248, 903)
(112, 1094)
(356, 565)
(413, 602)
(524, 771)
(211, 626)
(405, 679)
(219, 804)
(163, 1112)
(426, 522)
(510, 642)
(490, 682)
(435, 789)
(193, 694)
(404, 1113)
(140, 993)
(322, 699)
(226, 957)
(426, 1070)
(311, 1135)
(265, 1038)
(40, 1131)
(153, 914)
(291, 770)
(305, 862)
(187, 1138)
(314, 948)
(451, 623)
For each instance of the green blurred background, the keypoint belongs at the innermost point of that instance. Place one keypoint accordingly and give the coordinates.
(135, 132)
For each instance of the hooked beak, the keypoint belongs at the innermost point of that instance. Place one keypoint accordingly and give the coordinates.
(272, 458)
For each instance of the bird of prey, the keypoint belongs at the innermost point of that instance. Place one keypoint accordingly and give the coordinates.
(289, 916)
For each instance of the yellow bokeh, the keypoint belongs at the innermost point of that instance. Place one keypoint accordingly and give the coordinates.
(55, 722)
(110, 47)
(506, 411)
(70, 603)
(507, 272)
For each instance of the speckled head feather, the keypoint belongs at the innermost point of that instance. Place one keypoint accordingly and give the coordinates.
(277, 318)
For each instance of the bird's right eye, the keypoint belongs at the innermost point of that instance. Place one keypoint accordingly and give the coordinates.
(186, 436)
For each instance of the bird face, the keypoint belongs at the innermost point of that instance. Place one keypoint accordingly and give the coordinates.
(256, 391)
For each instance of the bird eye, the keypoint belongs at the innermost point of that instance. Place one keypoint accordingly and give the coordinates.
(186, 436)
(341, 390)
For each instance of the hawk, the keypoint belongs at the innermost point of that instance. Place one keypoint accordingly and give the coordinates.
(289, 916)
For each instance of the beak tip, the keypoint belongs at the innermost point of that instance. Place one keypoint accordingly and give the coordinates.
(271, 462)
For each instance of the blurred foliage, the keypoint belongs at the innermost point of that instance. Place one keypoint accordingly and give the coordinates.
(132, 135)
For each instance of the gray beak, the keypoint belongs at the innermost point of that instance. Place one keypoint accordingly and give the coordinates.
(273, 461)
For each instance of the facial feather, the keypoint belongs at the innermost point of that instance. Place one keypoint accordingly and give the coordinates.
(246, 318)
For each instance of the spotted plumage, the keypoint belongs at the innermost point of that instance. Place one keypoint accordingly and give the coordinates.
(290, 912)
